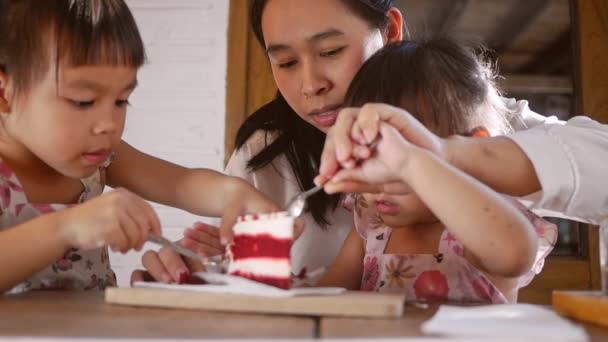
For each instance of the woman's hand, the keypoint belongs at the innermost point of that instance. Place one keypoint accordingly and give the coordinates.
(357, 127)
(380, 170)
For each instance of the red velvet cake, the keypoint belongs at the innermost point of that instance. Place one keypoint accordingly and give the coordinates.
(261, 248)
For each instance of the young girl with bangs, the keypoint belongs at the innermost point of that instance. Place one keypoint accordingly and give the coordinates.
(67, 69)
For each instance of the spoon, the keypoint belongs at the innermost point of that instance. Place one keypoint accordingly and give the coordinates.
(297, 203)
(159, 240)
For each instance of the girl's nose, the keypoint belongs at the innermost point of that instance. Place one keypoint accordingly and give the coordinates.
(107, 125)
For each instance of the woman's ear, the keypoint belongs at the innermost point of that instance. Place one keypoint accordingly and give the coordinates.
(394, 31)
(4, 106)
(479, 132)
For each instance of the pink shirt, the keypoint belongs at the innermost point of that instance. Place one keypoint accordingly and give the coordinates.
(76, 270)
(444, 276)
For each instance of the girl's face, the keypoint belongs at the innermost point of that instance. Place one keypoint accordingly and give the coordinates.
(315, 47)
(72, 119)
(400, 211)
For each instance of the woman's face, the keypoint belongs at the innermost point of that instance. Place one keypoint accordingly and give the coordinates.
(315, 48)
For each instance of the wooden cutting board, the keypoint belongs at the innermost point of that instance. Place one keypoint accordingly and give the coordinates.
(589, 306)
(349, 304)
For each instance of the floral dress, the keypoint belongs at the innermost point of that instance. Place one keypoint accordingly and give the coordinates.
(76, 270)
(445, 276)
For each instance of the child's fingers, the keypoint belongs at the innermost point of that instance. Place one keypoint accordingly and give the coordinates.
(361, 152)
(139, 276)
(156, 268)
(137, 238)
(298, 227)
(152, 222)
(228, 220)
(202, 248)
(320, 180)
(212, 230)
(349, 186)
(340, 132)
(204, 237)
(367, 123)
(349, 175)
(338, 143)
(116, 236)
(357, 135)
(194, 265)
(130, 231)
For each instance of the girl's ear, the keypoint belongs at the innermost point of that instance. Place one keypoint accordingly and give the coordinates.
(394, 31)
(4, 106)
(479, 132)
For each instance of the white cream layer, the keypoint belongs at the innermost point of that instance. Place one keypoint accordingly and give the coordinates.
(269, 267)
(278, 227)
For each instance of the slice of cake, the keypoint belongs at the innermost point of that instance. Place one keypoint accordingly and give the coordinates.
(261, 248)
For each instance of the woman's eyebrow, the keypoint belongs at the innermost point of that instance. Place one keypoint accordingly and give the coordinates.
(330, 33)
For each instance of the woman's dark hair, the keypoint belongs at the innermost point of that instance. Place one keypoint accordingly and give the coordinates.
(299, 141)
(440, 81)
(35, 33)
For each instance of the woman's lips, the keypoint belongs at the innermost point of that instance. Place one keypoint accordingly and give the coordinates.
(326, 119)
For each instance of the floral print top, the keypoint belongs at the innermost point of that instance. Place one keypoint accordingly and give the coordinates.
(446, 276)
(76, 270)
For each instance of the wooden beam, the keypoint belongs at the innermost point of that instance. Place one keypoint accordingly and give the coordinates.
(554, 58)
(522, 14)
(535, 84)
(591, 81)
(236, 78)
(590, 18)
(446, 15)
(260, 84)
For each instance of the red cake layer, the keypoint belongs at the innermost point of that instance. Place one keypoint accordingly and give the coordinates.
(282, 283)
(260, 246)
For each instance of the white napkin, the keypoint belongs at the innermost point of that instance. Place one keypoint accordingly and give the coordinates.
(505, 321)
(224, 283)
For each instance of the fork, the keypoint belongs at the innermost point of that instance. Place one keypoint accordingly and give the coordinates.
(297, 203)
(207, 261)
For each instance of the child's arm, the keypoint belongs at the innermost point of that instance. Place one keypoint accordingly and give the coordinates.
(118, 219)
(500, 239)
(347, 269)
(200, 191)
(28, 248)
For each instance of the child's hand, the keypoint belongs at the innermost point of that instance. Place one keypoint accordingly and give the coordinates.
(169, 267)
(383, 166)
(119, 219)
(203, 239)
(361, 126)
(166, 266)
(242, 198)
(357, 127)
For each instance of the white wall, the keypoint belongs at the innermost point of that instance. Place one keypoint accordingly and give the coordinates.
(178, 110)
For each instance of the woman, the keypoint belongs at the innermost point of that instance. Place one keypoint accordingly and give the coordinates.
(315, 47)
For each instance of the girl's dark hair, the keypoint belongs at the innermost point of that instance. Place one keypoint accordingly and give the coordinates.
(299, 141)
(35, 33)
(440, 81)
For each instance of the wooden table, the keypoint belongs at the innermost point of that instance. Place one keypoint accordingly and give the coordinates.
(84, 314)
(407, 326)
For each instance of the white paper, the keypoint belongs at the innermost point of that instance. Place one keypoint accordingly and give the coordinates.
(507, 321)
(224, 283)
